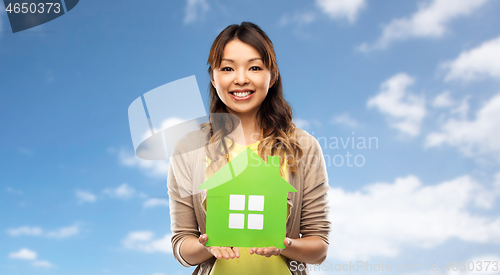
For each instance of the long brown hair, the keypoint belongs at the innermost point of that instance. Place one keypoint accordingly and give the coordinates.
(274, 115)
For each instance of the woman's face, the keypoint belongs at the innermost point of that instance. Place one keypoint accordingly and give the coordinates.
(242, 81)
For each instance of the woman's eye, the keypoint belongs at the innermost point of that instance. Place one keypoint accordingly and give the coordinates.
(255, 68)
(226, 69)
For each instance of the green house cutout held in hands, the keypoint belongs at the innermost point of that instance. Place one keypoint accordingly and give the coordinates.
(247, 203)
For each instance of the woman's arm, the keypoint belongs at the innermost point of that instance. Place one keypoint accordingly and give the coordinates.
(187, 244)
(315, 225)
(194, 251)
(183, 222)
(311, 250)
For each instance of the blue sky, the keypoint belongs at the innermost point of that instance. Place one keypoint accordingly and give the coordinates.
(420, 77)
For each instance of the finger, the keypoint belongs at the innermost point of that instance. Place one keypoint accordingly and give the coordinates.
(273, 251)
(287, 242)
(229, 251)
(224, 253)
(253, 250)
(267, 251)
(237, 252)
(203, 239)
(216, 252)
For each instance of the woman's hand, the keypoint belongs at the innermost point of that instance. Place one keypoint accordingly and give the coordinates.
(219, 251)
(270, 251)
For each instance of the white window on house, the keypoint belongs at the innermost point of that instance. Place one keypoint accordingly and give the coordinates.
(237, 220)
(237, 202)
(256, 203)
(255, 221)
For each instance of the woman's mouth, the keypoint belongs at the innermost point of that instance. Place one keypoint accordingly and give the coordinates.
(242, 95)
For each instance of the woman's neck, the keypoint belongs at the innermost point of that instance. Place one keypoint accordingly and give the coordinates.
(250, 127)
(251, 130)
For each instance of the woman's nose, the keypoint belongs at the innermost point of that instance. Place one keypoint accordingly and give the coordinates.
(241, 77)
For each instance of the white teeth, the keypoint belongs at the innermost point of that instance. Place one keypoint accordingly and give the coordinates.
(242, 94)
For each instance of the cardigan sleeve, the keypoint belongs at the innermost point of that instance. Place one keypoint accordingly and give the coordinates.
(183, 221)
(314, 216)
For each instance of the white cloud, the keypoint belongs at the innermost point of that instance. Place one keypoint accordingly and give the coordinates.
(153, 168)
(144, 241)
(166, 123)
(122, 192)
(476, 137)
(430, 20)
(305, 123)
(299, 18)
(23, 254)
(26, 254)
(497, 182)
(64, 232)
(25, 151)
(383, 218)
(475, 260)
(60, 233)
(335, 9)
(403, 109)
(50, 76)
(345, 119)
(45, 264)
(341, 9)
(462, 110)
(195, 9)
(480, 62)
(301, 123)
(85, 196)
(14, 191)
(25, 230)
(154, 202)
(443, 100)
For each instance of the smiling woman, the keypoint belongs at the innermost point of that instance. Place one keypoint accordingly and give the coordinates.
(246, 83)
(241, 84)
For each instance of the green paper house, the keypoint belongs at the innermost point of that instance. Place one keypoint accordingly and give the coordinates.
(247, 203)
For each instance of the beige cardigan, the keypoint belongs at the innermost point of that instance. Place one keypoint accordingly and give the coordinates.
(308, 212)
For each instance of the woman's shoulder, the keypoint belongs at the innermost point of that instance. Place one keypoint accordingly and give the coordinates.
(192, 140)
(199, 134)
(306, 141)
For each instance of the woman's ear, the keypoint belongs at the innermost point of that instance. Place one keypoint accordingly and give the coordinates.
(212, 79)
(273, 80)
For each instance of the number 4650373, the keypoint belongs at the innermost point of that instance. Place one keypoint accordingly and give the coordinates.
(33, 8)
(472, 266)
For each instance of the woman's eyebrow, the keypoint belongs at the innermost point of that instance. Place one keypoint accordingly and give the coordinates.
(249, 60)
